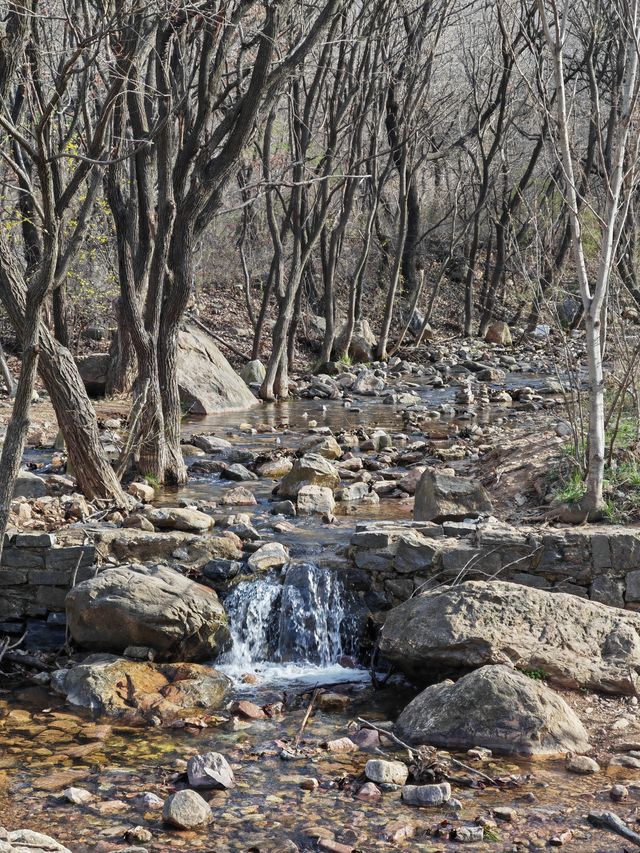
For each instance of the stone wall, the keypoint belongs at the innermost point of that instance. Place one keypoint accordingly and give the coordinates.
(37, 571)
(601, 563)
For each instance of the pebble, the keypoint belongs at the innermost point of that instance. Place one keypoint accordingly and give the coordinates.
(618, 793)
(310, 784)
(77, 796)
(386, 772)
(582, 765)
(369, 793)
(504, 813)
(426, 795)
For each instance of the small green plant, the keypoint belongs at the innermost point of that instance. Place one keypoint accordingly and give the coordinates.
(573, 490)
(490, 834)
(152, 480)
(346, 359)
(535, 674)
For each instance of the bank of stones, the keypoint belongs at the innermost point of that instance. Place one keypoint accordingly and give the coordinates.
(597, 562)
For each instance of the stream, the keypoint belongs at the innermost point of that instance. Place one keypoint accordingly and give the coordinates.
(292, 630)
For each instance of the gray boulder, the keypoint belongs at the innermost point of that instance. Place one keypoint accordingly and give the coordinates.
(211, 770)
(154, 607)
(186, 810)
(495, 707)
(94, 370)
(207, 382)
(254, 372)
(315, 500)
(29, 485)
(28, 841)
(363, 342)
(311, 470)
(179, 518)
(575, 642)
(444, 497)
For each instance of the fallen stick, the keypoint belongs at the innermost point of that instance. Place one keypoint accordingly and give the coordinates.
(609, 820)
(406, 746)
(306, 718)
(219, 339)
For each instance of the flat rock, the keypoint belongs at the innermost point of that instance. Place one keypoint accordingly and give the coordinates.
(154, 607)
(496, 707)
(445, 497)
(27, 841)
(273, 555)
(118, 687)
(575, 642)
(177, 518)
(386, 772)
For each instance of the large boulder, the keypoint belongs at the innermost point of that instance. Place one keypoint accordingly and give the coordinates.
(94, 370)
(441, 496)
(311, 470)
(499, 333)
(495, 707)
(363, 342)
(28, 841)
(154, 607)
(575, 642)
(208, 384)
(254, 372)
(29, 485)
(119, 687)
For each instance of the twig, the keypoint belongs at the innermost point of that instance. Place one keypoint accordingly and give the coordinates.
(412, 755)
(609, 820)
(306, 718)
(218, 338)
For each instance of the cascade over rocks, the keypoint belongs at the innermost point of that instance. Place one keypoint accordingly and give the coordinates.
(495, 707)
(576, 642)
(155, 607)
(123, 688)
(441, 496)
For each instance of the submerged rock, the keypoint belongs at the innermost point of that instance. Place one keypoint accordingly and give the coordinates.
(573, 641)
(495, 707)
(186, 810)
(118, 687)
(27, 841)
(444, 497)
(154, 607)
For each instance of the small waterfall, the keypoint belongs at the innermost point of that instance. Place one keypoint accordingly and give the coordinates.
(298, 617)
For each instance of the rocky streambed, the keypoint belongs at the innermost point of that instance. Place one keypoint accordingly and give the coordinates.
(217, 692)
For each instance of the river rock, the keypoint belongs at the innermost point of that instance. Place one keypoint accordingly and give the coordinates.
(186, 810)
(274, 469)
(324, 445)
(142, 492)
(367, 384)
(211, 443)
(273, 555)
(315, 500)
(29, 485)
(496, 707)
(426, 795)
(363, 342)
(178, 518)
(254, 372)
(148, 606)
(575, 642)
(119, 687)
(94, 371)
(27, 841)
(499, 333)
(311, 470)
(207, 382)
(211, 770)
(582, 765)
(444, 497)
(386, 772)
